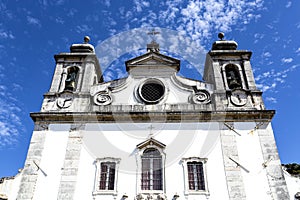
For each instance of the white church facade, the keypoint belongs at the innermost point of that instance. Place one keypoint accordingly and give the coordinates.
(154, 134)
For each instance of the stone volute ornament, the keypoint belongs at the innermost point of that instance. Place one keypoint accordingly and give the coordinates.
(65, 100)
(102, 99)
(201, 97)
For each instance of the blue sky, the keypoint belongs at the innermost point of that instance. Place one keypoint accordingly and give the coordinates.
(32, 31)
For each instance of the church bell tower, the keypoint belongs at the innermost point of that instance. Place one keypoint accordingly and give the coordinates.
(74, 75)
(229, 70)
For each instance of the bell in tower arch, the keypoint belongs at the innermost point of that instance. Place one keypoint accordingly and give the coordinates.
(70, 82)
(233, 77)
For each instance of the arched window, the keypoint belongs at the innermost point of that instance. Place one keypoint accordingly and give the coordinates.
(151, 170)
(233, 77)
(70, 82)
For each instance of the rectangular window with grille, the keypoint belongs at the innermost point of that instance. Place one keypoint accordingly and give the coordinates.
(107, 176)
(195, 176)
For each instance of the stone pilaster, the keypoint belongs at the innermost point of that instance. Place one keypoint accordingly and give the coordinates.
(30, 172)
(272, 164)
(70, 169)
(235, 185)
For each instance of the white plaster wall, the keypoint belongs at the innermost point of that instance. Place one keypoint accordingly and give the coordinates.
(13, 192)
(85, 177)
(293, 184)
(51, 163)
(250, 157)
(181, 140)
(10, 187)
(174, 94)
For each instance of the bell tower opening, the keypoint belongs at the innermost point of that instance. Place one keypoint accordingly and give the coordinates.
(233, 77)
(70, 82)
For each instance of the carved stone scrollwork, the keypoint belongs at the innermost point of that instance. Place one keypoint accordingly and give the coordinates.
(140, 197)
(102, 99)
(151, 197)
(41, 127)
(297, 195)
(201, 97)
(161, 197)
(65, 100)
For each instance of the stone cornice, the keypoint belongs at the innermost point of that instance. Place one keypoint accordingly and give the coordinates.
(141, 61)
(244, 54)
(156, 116)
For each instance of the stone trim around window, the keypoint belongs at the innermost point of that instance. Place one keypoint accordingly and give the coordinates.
(187, 190)
(108, 190)
(150, 144)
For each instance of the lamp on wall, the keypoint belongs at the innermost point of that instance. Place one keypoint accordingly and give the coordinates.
(176, 196)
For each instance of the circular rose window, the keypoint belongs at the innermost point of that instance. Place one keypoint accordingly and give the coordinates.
(152, 91)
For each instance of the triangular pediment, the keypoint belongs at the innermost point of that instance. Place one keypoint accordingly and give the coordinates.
(151, 142)
(153, 59)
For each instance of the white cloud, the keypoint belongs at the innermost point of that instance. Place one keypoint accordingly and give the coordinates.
(83, 29)
(298, 51)
(269, 80)
(286, 60)
(72, 12)
(59, 2)
(33, 21)
(17, 87)
(10, 122)
(140, 4)
(266, 87)
(267, 54)
(198, 19)
(107, 3)
(201, 18)
(288, 4)
(6, 35)
(258, 37)
(45, 3)
(59, 20)
(271, 99)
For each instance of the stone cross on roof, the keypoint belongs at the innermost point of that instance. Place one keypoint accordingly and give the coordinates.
(153, 46)
(152, 34)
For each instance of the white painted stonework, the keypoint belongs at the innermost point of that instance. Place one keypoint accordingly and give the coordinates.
(120, 142)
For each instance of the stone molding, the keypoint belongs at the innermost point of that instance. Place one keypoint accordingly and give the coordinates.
(277, 184)
(234, 180)
(127, 115)
(30, 171)
(69, 173)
